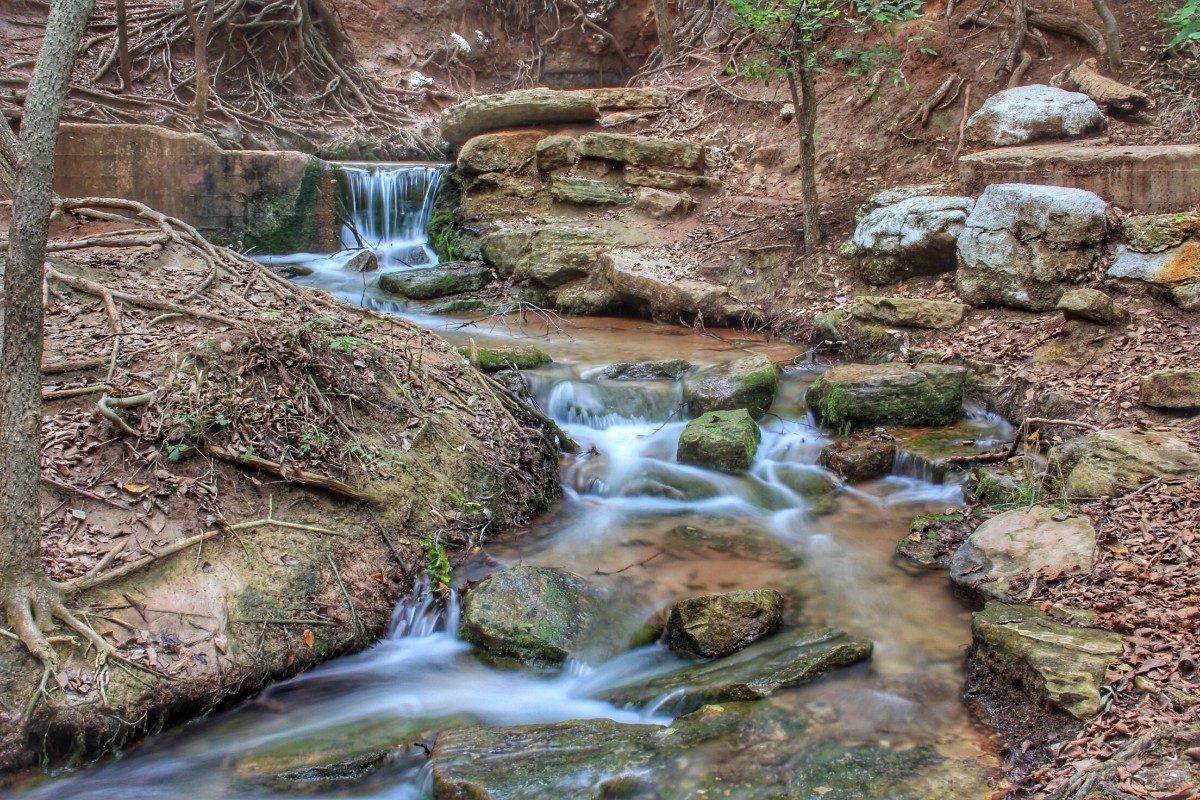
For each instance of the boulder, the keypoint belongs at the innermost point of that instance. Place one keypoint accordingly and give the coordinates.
(430, 282)
(1153, 233)
(1064, 665)
(1091, 305)
(717, 625)
(536, 615)
(495, 359)
(758, 671)
(651, 285)
(1021, 541)
(556, 152)
(914, 236)
(865, 395)
(1025, 245)
(362, 261)
(827, 325)
(933, 539)
(582, 299)
(909, 312)
(1115, 462)
(748, 382)
(550, 255)
(669, 370)
(664, 179)
(1187, 296)
(1172, 388)
(518, 109)
(498, 152)
(1030, 113)
(660, 204)
(642, 151)
(1169, 268)
(860, 458)
(724, 440)
(587, 192)
(625, 99)
(889, 197)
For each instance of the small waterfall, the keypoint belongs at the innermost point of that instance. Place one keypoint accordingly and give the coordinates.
(387, 207)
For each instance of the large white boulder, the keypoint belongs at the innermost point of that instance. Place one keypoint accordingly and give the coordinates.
(1030, 113)
(915, 236)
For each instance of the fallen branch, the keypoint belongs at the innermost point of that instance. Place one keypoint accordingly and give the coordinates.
(289, 473)
(1115, 97)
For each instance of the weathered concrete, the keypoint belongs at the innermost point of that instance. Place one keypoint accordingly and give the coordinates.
(1155, 178)
(277, 202)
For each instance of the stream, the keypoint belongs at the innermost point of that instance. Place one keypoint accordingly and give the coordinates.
(650, 531)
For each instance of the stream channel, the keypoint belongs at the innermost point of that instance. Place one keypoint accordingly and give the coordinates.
(649, 531)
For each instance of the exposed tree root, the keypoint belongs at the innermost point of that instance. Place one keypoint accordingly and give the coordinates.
(289, 473)
(1115, 97)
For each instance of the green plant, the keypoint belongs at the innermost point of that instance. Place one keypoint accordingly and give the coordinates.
(437, 563)
(345, 344)
(835, 410)
(1184, 23)
(443, 237)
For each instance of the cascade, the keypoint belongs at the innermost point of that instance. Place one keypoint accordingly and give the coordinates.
(386, 207)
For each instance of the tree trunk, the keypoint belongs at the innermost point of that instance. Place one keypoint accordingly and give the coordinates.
(1112, 37)
(804, 98)
(10, 160)
(200, 33)
(26, 591)
(666, 31)
(123, 65)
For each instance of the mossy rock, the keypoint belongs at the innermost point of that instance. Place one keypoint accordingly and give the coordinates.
(724, 440)
(933, 538)
(499, 358)
(669, 370)
(431, 282)
(587, 192)
(867, 395)
(716, 625)
(860, 458)
(748, 382)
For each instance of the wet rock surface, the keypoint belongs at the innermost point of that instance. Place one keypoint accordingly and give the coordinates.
(748, 382)
(724, 440)
(669, 369)
(433, 282)
(933, 539)
(717, 625)
(860, 458)
(495, 359)
(864, 395)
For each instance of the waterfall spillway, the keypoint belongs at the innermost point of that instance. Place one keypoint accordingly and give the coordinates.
(386, 207)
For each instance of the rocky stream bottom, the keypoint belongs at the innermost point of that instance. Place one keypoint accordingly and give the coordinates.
(857, 695)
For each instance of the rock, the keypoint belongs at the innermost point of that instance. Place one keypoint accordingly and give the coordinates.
(1021, 541)
(758, 671)
(536, 615)
(1187, 296)
(669, 370)
(333, 756)
(1115, 462)
(933, 539)
(1172, 388)
(1153, 233)
(498, 358)
(660, 204)
(472, 305)
(625, 99)
(430, 282)
(550, 255)
(518, 109)
(582, 299)
(914, 236)
(1025, 245)
(1092, 306)
(663, 179)
(889, 197)
(909, 312)
(556, 152)
(748, 382)
(642, 151)
(413, 256)
(498, 152)
(724, 440)
(866, 395)
(860, 458)
(1169, 268)
(747, 545)
(1029, 113)
(717, 625)
(587, 192)
(1064, 665)
(362, 261)
(828, 325)
(651, 285)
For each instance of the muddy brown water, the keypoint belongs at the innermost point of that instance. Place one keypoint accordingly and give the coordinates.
(652, 531)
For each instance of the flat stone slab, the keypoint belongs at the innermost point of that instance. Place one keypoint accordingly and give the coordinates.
(1172, 388)
(1065, 665)
(518, 109)
(1115, 462)
(909, 312)
(1154, 178)
(1040, 538)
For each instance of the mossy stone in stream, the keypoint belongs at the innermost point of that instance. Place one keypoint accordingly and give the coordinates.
(748, 545)
(933, 538)
(748, 382)
(430, 282)
(498, 358)
(724, 440)
(716, 625)
(864, 395)
(669, 370)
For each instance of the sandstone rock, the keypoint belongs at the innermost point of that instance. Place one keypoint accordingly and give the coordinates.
(1063, 664)
(828, 325)
(909, 312)
(865, 395)
(1025, 245)
(860, 458)
(494, 359)
(518, 109)
(660, 204)
(537, 615)
(430, 282)
(652, 286)
(1187, 296)
(915, 236)
(504, 248)
(1172, 388)
(549, 255)
(717, 625)
(587, 192)
(1115, 462)
(1153, 233)
(642, 151)
(556, 152)
(663, 179)
(1168, 268)
(1093, 306)
(723, 440)
(669, 370)
(889, 197)
(498, 152)
(582, 298)
(362, 261)
(625, 99)
(748, 382)
(1021, 541)
(1028, 113)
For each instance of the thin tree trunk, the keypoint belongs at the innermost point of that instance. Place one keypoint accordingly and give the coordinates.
(123, 65)
(26, 591)
(666, 31)
(1112, 36)
(804, 98)
(10, 160)
(200, 34)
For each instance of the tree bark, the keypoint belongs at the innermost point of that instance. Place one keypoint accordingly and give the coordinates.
(10, 159)
(666, 31)
(1112, 37)
(27, 593)
(123, 65)
(200, 32)
(804, 98)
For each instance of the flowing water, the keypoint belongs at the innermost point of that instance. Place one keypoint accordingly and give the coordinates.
(650, 531)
